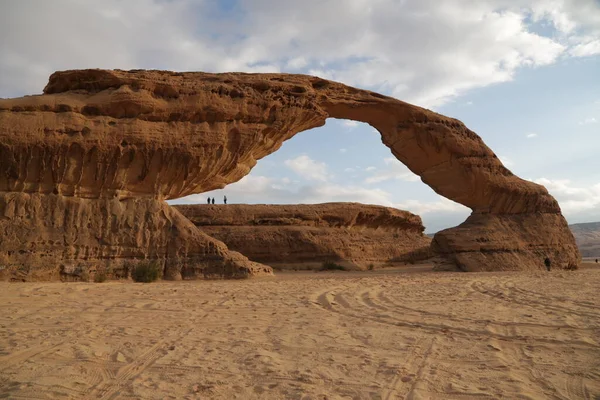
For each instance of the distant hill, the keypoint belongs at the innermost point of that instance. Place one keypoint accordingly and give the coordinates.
(587, 236)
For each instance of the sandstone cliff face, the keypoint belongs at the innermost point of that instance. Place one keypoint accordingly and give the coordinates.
(51, 237)
(121, 135)
(304, 236)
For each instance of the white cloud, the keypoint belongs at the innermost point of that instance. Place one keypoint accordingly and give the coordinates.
(370, 168)
(115, 34)
(297, 63)
(261, 189)
(251, 186)
(425, 207)
(507, 161)
(308, 168)
(325, 193)
(348, 124)
(394, 170)
(587, 121)
(343, 150)
(575, 202)
(418, 50)
(436, 215)
(349, 170)
(567, 15)
(531, 135)
(586, 49)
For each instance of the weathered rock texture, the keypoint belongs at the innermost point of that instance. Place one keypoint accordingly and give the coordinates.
(587, 237)
(155, 135)
(354, 235)
(47, 237)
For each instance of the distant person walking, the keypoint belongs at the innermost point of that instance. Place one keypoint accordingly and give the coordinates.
(213, 200)
(208, 201)
(225, 199)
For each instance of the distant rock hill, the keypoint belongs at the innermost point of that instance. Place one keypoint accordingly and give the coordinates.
(587, 236)
(304, 236)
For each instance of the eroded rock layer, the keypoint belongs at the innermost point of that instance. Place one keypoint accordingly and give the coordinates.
(493, 242)
(97, 134)
(353, 235)
(51, 237)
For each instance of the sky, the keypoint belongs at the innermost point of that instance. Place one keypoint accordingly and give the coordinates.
(524, 75)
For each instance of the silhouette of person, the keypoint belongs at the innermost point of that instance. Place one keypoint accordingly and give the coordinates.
(225, 199)
(213, 200)
(208, 201)
(548, 263)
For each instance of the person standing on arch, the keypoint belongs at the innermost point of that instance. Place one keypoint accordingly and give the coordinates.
(208, 201)
(213, 200)
(224, 199)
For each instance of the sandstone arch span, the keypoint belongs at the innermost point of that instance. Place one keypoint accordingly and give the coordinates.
(105, 139)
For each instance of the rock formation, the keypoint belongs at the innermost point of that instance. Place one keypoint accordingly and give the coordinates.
(51, 237)
(99, 138)
(354, 235)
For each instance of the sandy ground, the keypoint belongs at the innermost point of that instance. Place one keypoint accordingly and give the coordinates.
(369, 335)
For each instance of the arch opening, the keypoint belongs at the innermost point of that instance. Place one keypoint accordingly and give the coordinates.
(329, 194)
(341, 161)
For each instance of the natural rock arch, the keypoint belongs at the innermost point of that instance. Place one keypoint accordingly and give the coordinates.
(118, 135)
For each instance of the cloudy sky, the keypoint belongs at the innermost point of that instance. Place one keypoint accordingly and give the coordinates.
(525, 75)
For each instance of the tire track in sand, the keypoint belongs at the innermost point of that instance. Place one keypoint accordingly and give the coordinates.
(509, 293)
(404, 384)
(356, 307)
(13, 359)
(124, 375)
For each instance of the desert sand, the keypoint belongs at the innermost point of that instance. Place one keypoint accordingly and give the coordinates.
(412, 334)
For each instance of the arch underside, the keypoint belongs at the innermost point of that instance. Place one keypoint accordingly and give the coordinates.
(122, 136)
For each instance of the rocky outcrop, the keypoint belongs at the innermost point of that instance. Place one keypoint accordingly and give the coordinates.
(304, 236)
(156, 135)
(51, 237)
(494, 242)
(587, 237)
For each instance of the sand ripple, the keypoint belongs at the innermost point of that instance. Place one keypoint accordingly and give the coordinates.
(369, 335)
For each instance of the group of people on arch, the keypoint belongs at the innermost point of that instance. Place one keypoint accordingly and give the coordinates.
(212, 201)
